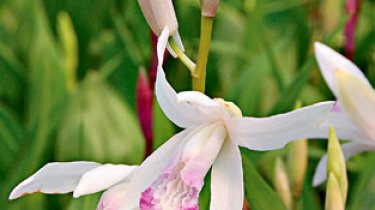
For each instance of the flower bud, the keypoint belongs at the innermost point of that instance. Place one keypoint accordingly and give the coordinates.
(159, 14)
(334, 199)
(281, 183)
(209, 7)
(336, 164)
(297, 164)
(69, 47)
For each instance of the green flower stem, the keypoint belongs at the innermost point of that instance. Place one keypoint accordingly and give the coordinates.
(182, 56)
(199, 81)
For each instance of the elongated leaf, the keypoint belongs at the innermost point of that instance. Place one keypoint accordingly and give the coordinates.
(258, 193)
(362, 196)
(12, 135)
(99, 126)
(46, 88)
(290, 94)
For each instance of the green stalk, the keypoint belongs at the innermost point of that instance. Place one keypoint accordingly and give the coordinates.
(182, 56)
(199, 80)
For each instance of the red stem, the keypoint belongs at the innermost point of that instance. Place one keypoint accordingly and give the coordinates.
(145, 97)
(352, 7)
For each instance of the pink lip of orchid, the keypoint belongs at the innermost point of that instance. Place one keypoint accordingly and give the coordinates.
(356, 100)
(172, 176)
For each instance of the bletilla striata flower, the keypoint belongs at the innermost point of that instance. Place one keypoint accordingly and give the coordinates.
(172, 177)
(356, 99)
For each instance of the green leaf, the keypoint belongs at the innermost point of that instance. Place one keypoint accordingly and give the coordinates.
(289, 96)
(258, 193)
(12, 135)
(99, 126)
(362, 196)
(162, 127)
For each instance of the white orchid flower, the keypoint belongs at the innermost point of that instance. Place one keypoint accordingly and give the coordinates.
(356, 99)
(172, 177)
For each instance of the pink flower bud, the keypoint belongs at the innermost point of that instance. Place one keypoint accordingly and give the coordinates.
(209, 7)
(158, 14)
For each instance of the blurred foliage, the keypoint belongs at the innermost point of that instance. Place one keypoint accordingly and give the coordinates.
(68, 88)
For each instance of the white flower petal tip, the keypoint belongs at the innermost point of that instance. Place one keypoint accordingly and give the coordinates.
(102, 178)
(161, 45)
(53, 178)
(329, 61)
(358, 100)
(20, 190)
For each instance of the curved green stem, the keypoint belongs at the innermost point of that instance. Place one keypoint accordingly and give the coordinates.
(199, 81)
(182, 56)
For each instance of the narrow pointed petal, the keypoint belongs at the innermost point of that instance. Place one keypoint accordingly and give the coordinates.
(189, 108)
(358, 100)
(329, 61)
(150, 169)
(102, 178)
(161, 45)
(275, 132)
(227, 179)
(54, 178)
(349, 150)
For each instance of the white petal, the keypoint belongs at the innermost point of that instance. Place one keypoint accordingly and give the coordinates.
(200, 151)
(102, 178)
(227, 189)
(344, 127)
(349, 150)
(161, 45)
(189, 108)
(112, 198)
(150, 169)
(329, 61)
(276, 131)
(358, 100)
(54, 178)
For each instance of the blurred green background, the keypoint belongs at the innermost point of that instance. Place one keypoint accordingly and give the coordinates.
(68, 72)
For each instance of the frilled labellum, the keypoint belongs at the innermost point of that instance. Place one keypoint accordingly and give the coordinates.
(159, 14)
